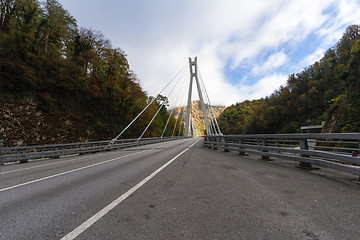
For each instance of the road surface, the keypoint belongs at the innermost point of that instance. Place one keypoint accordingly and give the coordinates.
(175, 190)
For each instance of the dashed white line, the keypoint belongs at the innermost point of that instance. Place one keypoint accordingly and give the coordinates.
(85, 225)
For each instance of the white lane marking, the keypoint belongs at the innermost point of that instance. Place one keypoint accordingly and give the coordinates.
(70, 171)
(74, 170)
(85, 225)
(44, 165)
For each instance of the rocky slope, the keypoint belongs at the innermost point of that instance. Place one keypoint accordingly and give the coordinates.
(24, 124)
(197, 115)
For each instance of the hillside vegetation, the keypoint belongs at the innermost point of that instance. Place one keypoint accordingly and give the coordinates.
(328, 90)
(61, 83)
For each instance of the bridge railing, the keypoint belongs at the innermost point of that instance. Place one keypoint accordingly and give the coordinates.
(334, 150)
(23, 154)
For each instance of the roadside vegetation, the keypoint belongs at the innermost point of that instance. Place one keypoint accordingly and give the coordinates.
(81, 86)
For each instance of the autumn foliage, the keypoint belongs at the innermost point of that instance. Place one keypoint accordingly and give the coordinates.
(327, 91)
(67, 70)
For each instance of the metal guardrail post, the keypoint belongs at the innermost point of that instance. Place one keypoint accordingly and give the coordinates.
(287, 146)
(206, 142)
(81, 150)
(264, 143)
(304, 146)
(55, 156)
(215, 145)
(277, 144)
(358, 181)
(226, 149)
(210, 143)
(241, 141)
(23, 156)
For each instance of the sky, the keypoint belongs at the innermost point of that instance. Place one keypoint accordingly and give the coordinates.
(245, 49)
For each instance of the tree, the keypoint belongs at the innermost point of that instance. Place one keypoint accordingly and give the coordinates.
(327, 90)
(70, 71)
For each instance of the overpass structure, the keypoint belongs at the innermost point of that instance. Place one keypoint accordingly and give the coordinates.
(216, 187)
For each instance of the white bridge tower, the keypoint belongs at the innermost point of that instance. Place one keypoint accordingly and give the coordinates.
(194, 74)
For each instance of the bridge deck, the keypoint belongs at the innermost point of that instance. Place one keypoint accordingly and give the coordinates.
(203, 194)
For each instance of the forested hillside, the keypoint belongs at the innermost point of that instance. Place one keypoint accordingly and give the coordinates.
(328, 90)
(62, 83)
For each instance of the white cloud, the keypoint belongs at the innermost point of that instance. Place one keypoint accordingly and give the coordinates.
(273, 61)
(264, 87)
(348, 13)
(312, 58)
(159, 36)
(285, 21)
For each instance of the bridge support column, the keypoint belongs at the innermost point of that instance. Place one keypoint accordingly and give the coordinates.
(188, 108)
(194, 75)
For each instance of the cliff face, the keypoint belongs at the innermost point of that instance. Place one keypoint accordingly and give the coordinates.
(23, 123)
(197, 115)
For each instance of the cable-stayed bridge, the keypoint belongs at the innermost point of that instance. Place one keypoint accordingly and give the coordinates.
(184, 119)
(181, 187)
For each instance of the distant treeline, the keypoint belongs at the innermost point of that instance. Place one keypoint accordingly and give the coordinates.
(327, 91)
(69, 70)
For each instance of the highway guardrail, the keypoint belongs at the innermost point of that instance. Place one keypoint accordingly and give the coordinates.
(335, 150)
(23, 154)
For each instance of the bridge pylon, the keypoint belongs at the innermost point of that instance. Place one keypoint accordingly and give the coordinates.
(194, 75)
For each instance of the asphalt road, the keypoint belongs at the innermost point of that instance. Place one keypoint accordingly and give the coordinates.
(175, 190)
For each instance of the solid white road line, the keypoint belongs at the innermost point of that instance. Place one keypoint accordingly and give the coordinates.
(85, 225)
(48, 164)
(43, 165)
(71, 171)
